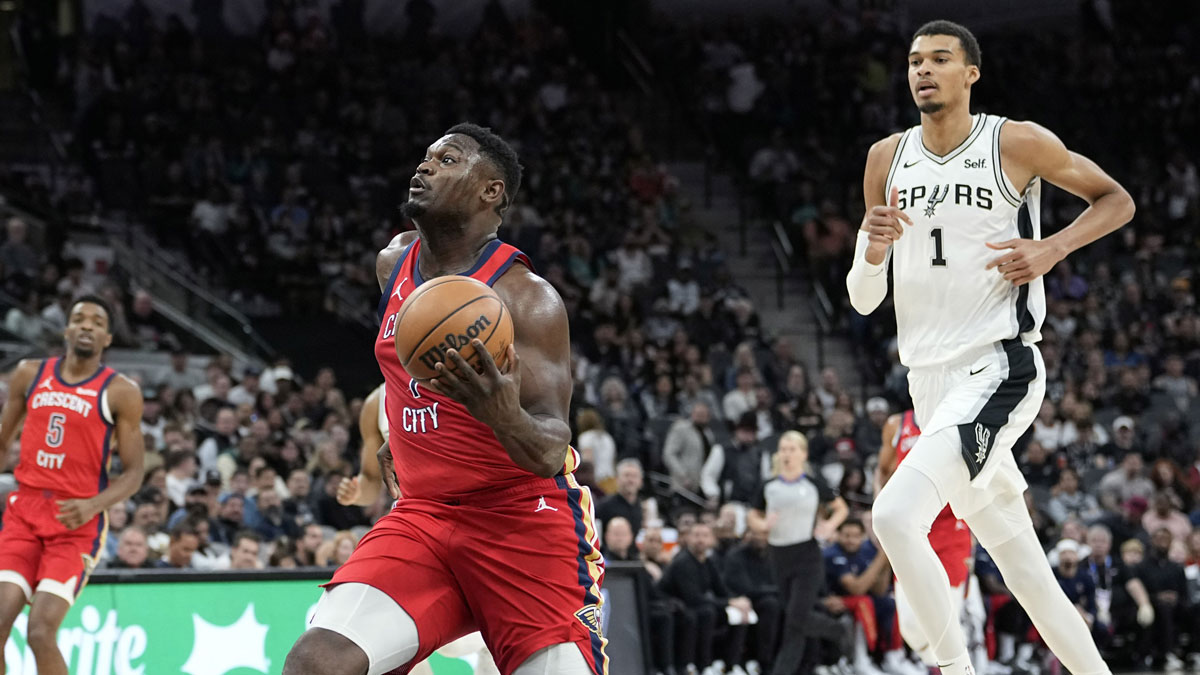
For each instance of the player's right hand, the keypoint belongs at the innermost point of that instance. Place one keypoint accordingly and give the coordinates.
(348, 491)
(884, 227)
(388, 470)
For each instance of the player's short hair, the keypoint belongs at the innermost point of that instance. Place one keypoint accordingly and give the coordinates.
(499, 153)
(965, 37)
(93, 299)
(852, 522)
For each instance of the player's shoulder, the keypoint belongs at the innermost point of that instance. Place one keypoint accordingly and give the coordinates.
(1021, 136)
(386, 260)
(23, 374)
(122, 388)
(884, 148)
(528, 295)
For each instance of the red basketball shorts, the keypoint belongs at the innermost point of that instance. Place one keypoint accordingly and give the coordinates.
(521, 566)
(38, 553)
(951, 541)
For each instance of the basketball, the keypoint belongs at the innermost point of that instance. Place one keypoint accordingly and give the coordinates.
(448, 313)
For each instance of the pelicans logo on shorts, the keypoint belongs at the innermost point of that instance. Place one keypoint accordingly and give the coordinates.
(589, 616)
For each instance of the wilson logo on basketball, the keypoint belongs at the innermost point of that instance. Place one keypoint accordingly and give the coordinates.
(437, 353)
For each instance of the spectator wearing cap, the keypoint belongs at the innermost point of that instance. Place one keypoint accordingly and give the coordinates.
(247, 391)
(153, 420)
(734, 473)
(181, 475)
(1123, 439)
(230, 518)
(868, 432)
(177, 375)
(1075, 581)
(196, 502)
(133, 551)
(1125, 482)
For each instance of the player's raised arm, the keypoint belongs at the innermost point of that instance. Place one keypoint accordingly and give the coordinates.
(526, 404)
(1030, 150)
(882, 224)
(363, 489)
(14, 407)
(125, 401)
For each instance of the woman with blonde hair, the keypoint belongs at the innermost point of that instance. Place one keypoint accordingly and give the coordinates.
(597, 446)
(336, 551)
(789, 508)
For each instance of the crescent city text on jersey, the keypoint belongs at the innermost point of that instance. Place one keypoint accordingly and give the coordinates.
(61, 399)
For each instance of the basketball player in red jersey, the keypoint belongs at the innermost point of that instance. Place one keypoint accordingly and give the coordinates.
(365, 489)
(492, 533)
(949, 536)
(56, 522)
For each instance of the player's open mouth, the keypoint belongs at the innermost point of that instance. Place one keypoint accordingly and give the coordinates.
(416, 186)
(926, 88)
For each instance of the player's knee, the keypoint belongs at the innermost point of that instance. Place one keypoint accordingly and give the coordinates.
(890, 520)
(324, 652)
(42, 636)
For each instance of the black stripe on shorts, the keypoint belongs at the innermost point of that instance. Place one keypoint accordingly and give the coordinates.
(979, 435)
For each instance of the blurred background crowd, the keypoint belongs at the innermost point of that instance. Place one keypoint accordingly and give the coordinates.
(269, 163)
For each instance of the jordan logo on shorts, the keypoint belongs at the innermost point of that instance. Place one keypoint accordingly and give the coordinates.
(543, 506)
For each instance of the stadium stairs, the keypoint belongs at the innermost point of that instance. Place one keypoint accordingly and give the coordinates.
(760, 260)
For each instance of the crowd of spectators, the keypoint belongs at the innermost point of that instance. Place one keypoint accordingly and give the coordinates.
(278, 160)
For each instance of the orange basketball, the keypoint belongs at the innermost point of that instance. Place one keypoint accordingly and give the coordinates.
(448, 313)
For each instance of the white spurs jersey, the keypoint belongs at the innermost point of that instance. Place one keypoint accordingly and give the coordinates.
(947, 303)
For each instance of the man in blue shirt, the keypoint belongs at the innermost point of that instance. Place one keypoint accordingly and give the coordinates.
(855, 566)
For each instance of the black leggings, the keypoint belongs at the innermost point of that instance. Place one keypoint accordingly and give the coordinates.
(800, 571)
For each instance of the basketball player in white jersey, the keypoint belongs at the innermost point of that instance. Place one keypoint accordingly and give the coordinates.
(366, 488)
(954, 204)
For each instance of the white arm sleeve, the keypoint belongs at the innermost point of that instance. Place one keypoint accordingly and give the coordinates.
(866, 283)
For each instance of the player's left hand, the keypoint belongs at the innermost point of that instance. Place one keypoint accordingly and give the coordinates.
(492, 395)
(1028, 259)
(73, 513)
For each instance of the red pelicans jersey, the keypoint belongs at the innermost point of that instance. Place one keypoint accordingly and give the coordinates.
(949, 536)
(66, 442)
(440, 451)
